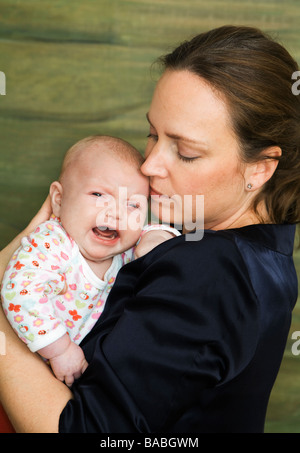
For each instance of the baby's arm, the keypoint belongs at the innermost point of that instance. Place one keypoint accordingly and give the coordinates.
(66, 359)
(33, 280)
(152, 236)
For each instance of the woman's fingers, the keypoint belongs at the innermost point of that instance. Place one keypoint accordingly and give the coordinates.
(43, 214)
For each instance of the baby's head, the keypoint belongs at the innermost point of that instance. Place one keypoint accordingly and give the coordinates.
(101, 196)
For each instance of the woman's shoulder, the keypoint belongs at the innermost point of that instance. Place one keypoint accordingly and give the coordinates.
(279, 238)
(192, 246)
(226, 252)
(188, 258)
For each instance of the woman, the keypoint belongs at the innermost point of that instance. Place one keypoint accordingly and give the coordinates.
(193, 334)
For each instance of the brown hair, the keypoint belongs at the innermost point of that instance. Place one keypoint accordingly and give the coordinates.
(254, 74)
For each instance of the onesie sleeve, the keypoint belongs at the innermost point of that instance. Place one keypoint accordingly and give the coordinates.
(160, 226)
(34, 277)
(188, 323)
(129, 256)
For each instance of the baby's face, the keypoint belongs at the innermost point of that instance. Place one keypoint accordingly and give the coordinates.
(104, 205)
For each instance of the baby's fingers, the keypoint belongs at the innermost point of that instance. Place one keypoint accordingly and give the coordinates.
(84, 366)
(69, 379)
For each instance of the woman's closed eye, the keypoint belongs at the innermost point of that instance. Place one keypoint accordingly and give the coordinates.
(152, 136)
(180, 155)
(186, 158)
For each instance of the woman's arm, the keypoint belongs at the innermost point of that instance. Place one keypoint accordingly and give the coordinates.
(28, 389)
(31, 396)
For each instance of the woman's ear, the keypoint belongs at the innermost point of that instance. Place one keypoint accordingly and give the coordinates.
(56, 192)
(257, 174)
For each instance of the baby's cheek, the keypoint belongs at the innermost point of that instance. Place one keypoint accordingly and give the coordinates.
(131, 237)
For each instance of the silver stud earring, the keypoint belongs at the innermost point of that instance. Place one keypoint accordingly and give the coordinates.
(249, 186)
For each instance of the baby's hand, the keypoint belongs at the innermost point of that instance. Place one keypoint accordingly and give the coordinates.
(151, 239)
(66, 358)
(69, 365)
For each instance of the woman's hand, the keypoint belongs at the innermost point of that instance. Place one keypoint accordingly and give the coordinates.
(43, 214)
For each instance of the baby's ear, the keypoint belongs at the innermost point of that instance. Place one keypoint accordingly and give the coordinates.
(56, 192)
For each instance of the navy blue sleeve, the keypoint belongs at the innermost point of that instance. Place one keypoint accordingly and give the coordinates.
(179, 321)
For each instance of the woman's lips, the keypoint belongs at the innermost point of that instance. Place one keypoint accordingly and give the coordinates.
(155, 194)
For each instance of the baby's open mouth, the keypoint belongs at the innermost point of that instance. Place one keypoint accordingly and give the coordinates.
(105, 232)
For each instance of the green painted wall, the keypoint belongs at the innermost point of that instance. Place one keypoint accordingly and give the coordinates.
(75, 68)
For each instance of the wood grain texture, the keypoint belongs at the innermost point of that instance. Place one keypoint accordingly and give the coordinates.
(79, 68)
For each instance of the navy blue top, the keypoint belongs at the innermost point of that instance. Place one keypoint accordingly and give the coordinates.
(191, 338)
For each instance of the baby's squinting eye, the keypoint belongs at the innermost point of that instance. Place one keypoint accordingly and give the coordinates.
(132, 204)
(97, 194)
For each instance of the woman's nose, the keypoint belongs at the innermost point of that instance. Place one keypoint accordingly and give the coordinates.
(155, 164)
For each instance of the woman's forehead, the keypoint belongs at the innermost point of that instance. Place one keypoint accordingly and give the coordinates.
(185, 105)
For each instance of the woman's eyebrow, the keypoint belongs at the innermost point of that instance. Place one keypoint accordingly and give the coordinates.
(180, 137)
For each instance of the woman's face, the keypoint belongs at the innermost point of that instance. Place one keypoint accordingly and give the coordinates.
(192, 151)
